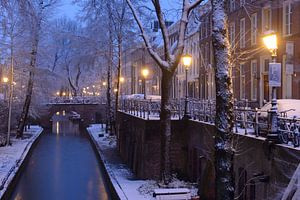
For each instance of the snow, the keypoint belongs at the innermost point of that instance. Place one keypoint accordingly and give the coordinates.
(123, 180)
(13, 156)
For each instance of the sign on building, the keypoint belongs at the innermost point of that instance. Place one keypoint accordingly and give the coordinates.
(275, 74)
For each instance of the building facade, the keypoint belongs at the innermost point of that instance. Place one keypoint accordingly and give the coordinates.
(249, 21)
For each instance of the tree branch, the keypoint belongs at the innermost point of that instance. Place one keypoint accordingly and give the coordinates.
(163, 64)
(163, 28)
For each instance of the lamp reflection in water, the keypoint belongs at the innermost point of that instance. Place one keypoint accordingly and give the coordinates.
(57, 128)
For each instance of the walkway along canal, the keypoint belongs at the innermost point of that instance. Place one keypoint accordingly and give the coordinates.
(62, 166)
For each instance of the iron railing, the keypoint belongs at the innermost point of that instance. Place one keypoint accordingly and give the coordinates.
(77, 100)
(247, 120)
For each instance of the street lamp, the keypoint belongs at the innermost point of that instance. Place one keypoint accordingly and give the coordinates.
(5, 80)
(145, 73)
(270, 41)
(186, 61)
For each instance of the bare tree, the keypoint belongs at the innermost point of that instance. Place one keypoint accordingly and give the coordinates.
(34, 14)
(168, 64)
(224, 103)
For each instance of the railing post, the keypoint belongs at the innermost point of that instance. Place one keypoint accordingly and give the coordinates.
(148, 107)
(256, 123)
(235, 120)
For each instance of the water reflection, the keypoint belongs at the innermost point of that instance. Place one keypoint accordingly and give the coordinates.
(63, 166)
(62, 125)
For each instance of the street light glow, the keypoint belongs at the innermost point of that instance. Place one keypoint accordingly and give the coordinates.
(5, 79)
(64, 94)
(270, 41)
(57, 93)
(145, 73)
(104, 83)
(187, 60)
(122, 79)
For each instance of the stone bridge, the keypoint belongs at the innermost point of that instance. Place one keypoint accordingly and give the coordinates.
(89, 112)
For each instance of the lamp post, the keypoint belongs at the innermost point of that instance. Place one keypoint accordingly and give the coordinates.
(270, 41)
(186, 61)
(145, 73)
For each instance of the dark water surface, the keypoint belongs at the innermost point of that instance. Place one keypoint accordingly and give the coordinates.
(63, 166)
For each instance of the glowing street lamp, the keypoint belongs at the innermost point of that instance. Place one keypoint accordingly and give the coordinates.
(104, 84)
(145, 73)
(270, 41)
(122, 79)
(57, 93)
(5, 80)
(186, 61)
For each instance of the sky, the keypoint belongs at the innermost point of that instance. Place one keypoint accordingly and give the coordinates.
(67, 9)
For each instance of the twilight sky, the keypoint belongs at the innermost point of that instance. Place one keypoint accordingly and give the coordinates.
(67, 9)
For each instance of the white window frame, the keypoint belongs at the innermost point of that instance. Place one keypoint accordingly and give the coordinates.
(287, 16)
(242, 3)
(264, 20)
(242, 81)
(232, 33)
(242, 33)
(232, 5)
(254, 29)
(254, 87)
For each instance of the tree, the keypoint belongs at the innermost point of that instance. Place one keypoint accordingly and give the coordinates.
(11, 20)
(168, 63)
(224, 103)
(34, 14)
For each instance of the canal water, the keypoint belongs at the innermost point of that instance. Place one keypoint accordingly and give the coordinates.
(62, 166)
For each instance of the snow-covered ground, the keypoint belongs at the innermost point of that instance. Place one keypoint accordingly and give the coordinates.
(11, 157)
(123, 180)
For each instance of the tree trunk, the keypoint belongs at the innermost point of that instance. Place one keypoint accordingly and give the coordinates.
(118, 75)
(165, 125)
(224, 103)
(109, 118)
(26, 105)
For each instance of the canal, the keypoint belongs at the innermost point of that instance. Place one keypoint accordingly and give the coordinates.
(63, 165)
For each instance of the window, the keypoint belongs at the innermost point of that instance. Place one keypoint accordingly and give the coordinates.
(253, 28)
(254, 80)
(242, 33)
(232, 5)
(287, 18)
(266, 19)
(232, 34)
(242, 3)
(242, 82)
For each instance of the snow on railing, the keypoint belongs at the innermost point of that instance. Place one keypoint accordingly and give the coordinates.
(77, 100)
(246, 119)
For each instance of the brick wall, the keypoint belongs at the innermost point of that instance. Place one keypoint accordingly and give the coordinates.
(265, 169)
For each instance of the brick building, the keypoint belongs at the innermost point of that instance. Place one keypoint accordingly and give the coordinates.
(249, 21)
